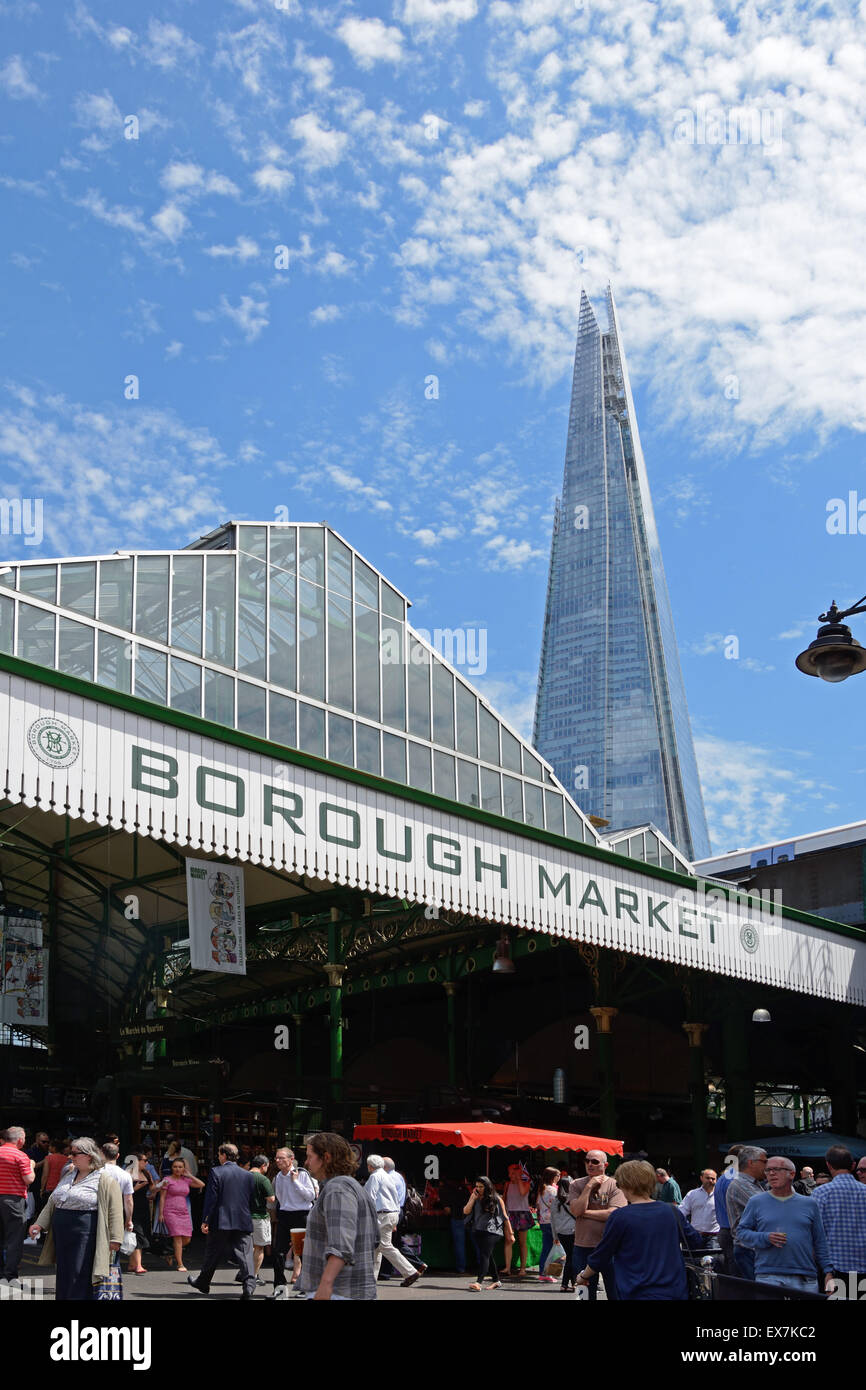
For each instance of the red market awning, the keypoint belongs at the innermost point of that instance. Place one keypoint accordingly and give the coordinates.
(486, 1135)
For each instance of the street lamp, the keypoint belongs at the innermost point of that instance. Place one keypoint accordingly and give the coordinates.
(834, 655)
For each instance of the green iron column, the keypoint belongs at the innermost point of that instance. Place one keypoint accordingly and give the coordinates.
(335, 975)
(698, 1091)
(739, 1086)
(450, 988)
(604, 1015)
(298, 1020)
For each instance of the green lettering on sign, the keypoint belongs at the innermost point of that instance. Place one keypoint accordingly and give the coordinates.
(629, 908)
(501, 868)
(393, 853)
(201, 796)
(592, 897)
(152, 768)
(287, 813)
(692, 914)
(654, 913)
(327, 809)
(564, 882)
(450, 868)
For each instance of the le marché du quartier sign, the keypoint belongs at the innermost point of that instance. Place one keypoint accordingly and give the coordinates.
(151, 777)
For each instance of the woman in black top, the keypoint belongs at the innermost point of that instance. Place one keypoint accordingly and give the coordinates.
(488, 1221)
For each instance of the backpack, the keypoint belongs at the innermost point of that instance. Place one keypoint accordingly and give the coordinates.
(412, 1207)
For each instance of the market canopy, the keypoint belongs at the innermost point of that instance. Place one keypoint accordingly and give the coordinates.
(808, 1143)
(486, 1135)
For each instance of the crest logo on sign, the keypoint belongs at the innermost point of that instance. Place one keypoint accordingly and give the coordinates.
(749, 938)
(53, 742)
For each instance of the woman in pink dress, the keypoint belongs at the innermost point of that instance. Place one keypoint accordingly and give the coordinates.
(174, 1208)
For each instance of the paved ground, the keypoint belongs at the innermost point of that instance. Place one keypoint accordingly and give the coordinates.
(163, 1284)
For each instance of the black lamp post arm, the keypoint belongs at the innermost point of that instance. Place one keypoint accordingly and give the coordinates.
(835, 615)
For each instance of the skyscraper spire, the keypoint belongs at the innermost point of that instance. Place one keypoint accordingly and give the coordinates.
(611, 712)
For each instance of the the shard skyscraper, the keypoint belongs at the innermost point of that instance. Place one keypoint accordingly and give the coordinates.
(611, 712)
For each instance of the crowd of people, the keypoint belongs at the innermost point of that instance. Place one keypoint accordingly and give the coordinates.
(330, 1235)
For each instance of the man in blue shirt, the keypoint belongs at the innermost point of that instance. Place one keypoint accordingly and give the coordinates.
(842, 1204)
(786, 1233)
(725, 1238)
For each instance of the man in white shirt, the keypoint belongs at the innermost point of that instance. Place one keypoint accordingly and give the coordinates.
(295, 1192)
(122, 1178)
(386, 1199)
(699, 1206)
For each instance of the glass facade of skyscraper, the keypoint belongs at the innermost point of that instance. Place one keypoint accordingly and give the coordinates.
(611, 714)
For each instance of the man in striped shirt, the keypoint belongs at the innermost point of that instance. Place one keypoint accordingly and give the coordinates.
(16, 1175)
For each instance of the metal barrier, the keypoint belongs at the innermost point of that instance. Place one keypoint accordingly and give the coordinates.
(708, 1284)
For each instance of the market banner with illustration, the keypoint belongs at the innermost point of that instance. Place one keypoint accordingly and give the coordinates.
(217, 931)
(23, 969)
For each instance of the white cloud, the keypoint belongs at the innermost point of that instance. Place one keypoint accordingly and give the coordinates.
(244, 249)
(426, 537)
(753, 795)
(250, 315)
(370, 41)
(16, 80)
(192, 180)
(475, 108)
(321, 145)
(170, 222)
(168, 46)
(127, 219)
(119, 476)
(434, 14)
(334, 263)
(326, 313)
(270, 179)
(319, 71)
(174, 349)
(99, 111)
(253, 53)
(507, 553)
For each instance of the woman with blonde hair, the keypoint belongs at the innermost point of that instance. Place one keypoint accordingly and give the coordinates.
(643, 1241)
(85, 1222)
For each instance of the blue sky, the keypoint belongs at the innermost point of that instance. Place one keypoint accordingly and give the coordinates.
(444, 176)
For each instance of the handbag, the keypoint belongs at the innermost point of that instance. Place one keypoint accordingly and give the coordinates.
(110, 1289)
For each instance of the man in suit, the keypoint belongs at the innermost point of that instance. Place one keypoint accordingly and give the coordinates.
(227, 1221)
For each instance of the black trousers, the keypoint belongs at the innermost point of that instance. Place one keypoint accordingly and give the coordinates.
(12, 1232)
(726, 1246)
(223, 1245)
(567, 1243)
(485, 1244)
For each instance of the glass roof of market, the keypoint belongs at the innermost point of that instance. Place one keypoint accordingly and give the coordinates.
(286, 632)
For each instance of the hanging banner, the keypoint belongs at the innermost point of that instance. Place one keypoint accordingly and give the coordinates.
(217, 934)
(23, 969)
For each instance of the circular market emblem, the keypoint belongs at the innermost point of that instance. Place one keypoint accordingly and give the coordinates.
(749, 938)
(53, 742)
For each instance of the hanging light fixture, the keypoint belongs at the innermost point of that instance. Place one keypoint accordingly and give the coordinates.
(502, 962)
(761, 1016)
